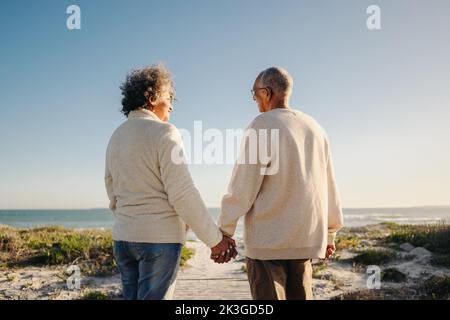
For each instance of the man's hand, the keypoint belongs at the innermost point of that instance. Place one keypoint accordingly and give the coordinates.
(331, 248)
(224, 251)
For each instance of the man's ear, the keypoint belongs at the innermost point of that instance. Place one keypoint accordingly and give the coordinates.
(269, 93)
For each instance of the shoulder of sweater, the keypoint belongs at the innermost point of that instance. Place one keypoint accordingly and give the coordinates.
(151, 125)
(313, 123)
(262, 120)
(274, 115)
(168, 131)
(167, 128)
(156, 130)
(266, 119)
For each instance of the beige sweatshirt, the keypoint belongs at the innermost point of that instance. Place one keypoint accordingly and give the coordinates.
(296, 212)
(152, 197)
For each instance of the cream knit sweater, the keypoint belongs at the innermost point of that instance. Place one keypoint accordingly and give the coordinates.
(296, 212)
(152, 198)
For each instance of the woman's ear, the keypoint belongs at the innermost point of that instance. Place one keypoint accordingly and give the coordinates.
(150, 103)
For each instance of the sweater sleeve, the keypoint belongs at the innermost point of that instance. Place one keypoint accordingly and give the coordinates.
(109, 188)
(180, 189)
(244, 186)
(335, 216)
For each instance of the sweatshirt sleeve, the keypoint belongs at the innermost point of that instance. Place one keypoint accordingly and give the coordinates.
(244, 186)
(180, 189)
(335, 216)
(109, 187)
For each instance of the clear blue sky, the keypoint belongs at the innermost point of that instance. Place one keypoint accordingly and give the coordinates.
(383, 96)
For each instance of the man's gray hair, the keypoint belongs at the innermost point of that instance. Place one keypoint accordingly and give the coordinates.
(278, 79)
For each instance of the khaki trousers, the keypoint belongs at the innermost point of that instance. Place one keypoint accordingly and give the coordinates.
(280, 279)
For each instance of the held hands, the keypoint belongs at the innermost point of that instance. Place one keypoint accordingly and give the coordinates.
(224, 251)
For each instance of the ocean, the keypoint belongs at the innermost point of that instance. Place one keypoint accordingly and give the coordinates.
(102, 218)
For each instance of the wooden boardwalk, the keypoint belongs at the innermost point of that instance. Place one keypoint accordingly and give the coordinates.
(203, 279)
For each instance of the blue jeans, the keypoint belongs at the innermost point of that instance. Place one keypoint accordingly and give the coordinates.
(147, 269)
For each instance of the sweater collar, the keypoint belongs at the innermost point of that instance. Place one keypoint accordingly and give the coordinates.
(142, 113)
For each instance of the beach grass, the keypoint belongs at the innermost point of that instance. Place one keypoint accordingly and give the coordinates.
(58, 247)
(434, 288)
(378, 294)
(51, 246)
(186, 254)
(373, 257)
(95, 295)
(318, 268)
(433, 237)
(90, 249)
(393, 275)
(380, 245)
(441, 260)
(347, 242)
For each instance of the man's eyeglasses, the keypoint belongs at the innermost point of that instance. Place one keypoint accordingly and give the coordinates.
(254, 91)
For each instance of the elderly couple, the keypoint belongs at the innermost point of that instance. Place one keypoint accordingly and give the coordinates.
(291, 216)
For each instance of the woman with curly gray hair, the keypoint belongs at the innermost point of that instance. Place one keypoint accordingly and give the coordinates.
(153, 197)
(150, 88)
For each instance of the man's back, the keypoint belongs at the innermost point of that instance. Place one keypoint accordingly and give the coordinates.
(289, 214)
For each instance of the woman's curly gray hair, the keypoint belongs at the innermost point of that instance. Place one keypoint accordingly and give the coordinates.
(142, 85)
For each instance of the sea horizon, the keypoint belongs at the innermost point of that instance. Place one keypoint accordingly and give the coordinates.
(101, 218)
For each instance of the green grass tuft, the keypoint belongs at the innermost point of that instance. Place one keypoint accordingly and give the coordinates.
(347, 242)
(318, 268)
(373, 257)
(91, 250)
(95, 295)
(434, 237)
(436, 288)
(441, 260)
(186, 254)
(393, 275)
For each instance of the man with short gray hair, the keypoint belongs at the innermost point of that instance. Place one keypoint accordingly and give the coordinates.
(292, 215)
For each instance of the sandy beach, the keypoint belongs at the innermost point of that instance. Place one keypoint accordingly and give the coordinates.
(408, 271)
